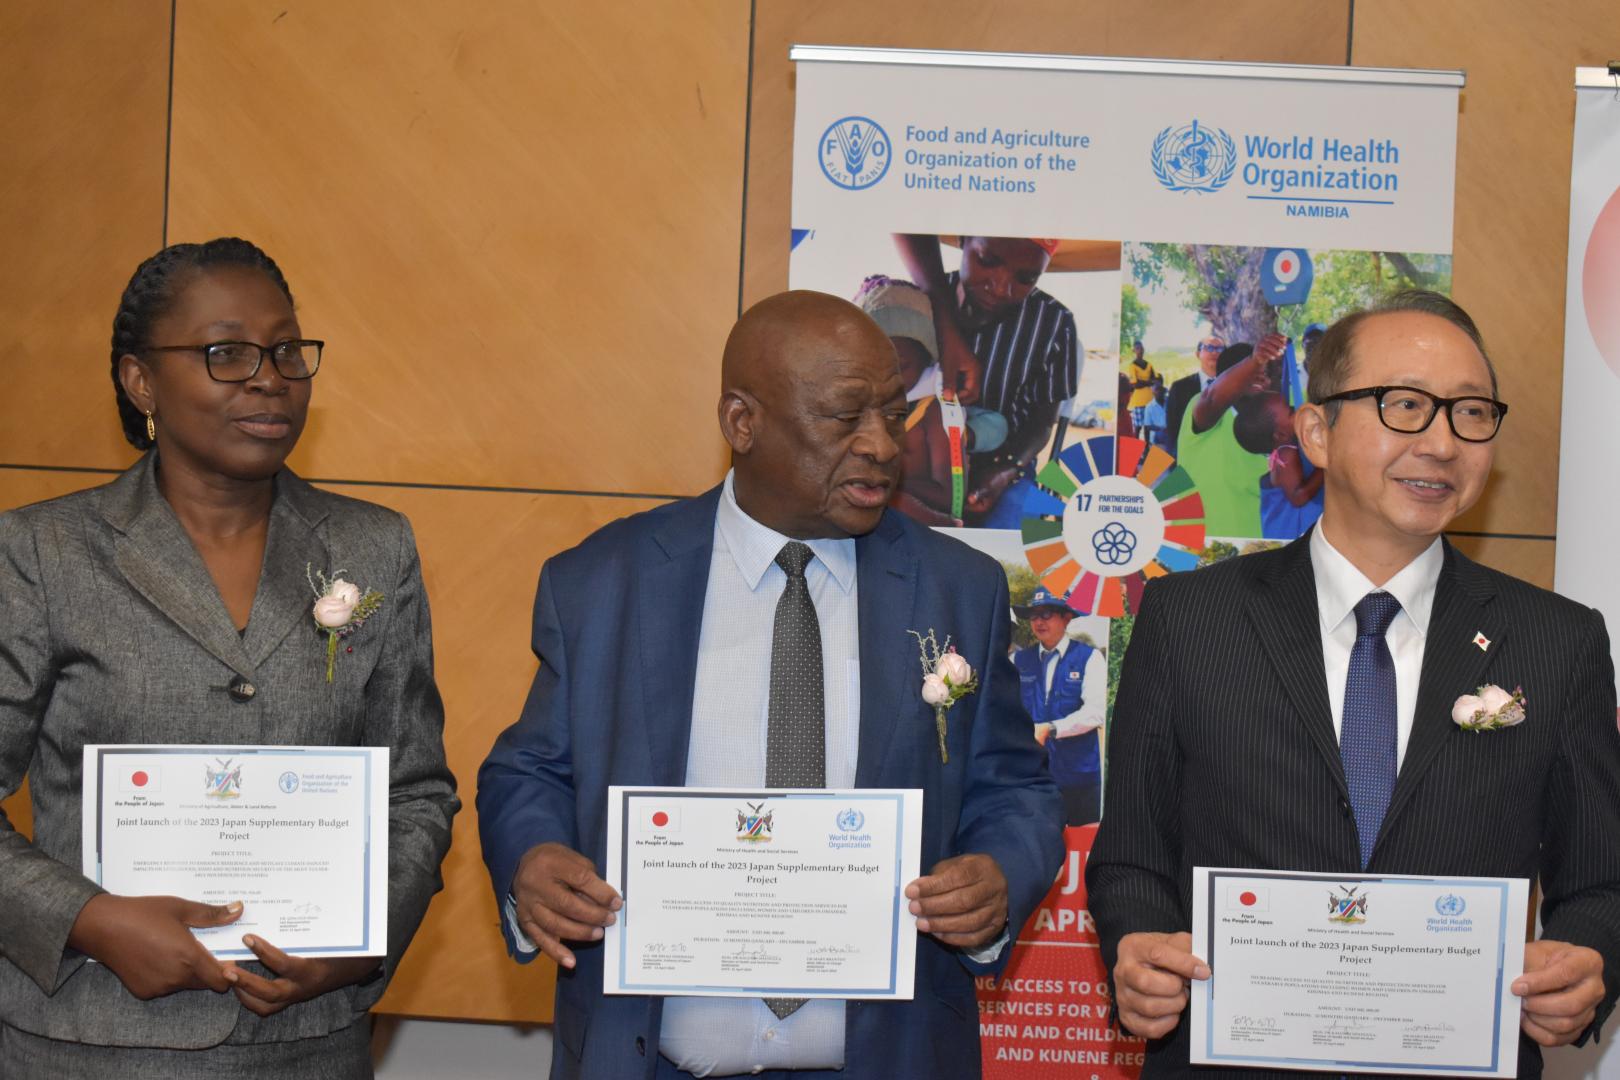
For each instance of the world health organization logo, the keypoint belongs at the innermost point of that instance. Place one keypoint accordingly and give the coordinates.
(1114, 544)
(1451, 904)
(851, 820)
(1194, 158)
(855, 153)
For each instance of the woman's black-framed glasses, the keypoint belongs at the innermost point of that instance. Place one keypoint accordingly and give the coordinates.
(239, 361)
(1408, 410)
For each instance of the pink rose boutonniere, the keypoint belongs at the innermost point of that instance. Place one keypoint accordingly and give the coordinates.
(947, 678)
(341, 607)
(1488, 708)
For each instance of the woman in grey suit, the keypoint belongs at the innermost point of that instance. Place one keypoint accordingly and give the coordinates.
(173, 605)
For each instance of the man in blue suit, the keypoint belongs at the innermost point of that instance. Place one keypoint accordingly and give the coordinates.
(1065, 686)
(658, 641)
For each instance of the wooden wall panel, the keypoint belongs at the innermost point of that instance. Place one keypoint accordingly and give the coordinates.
(1262, 30)
(1513, 159)
(516, 224)
(85, 87)
(1531, 560)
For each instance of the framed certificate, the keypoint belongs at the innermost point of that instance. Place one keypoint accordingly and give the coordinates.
(1358, 973)
(298, 834)
(795, 893)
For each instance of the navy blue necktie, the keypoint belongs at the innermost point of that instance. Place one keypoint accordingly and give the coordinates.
(1367, 734)
(1047, 656)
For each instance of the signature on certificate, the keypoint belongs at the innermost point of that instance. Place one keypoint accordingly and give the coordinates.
(757, 953)
(1255, 1023)
(1347, 1023)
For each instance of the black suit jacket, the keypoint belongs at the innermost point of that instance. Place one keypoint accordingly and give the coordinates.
(1182, 392)
(1223, 753)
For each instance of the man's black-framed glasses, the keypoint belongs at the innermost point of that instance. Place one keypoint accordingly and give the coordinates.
(239, 361)
(1408, 410)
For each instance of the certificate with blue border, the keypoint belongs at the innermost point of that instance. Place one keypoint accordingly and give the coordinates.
(1358, 973)
(763, 893)
(297, 834)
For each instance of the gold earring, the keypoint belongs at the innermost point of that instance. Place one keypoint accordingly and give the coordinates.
(151, 429)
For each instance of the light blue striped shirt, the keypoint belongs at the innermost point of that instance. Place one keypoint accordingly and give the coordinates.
(730, 706)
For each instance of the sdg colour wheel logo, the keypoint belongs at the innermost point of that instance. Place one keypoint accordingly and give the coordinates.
(1104, 517)
(855, 153)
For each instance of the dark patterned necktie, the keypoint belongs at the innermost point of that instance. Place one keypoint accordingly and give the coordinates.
(796, 732)
(1367, 733)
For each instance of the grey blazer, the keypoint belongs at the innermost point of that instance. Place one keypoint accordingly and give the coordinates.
(111, 631)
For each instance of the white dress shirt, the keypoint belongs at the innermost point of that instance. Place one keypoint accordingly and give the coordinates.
(1339, 588)
(730, 714)
(1093, 693)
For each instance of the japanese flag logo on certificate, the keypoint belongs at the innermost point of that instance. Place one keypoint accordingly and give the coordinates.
(140, 780)
(660, 819)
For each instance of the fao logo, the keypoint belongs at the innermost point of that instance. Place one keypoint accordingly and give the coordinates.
(1451, 905)
(1114, 544)
(1194, 158)
(288, 782)
(855, 153)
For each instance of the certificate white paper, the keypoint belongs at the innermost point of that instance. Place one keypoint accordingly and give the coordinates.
(763, 893)
(298, 834)
(1348, 973)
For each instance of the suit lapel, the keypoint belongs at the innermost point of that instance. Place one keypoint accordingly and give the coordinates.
(886, 576)
(160, 562)
(1285, 615)
(292, 549)
(670, 624)
(1452, 666)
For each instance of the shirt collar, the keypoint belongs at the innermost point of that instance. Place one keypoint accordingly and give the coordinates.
(1060, 648)
(1340, 586)
(754, 546)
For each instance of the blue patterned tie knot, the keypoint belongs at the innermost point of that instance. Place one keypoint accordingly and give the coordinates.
(1368, 732)
(1374, 614)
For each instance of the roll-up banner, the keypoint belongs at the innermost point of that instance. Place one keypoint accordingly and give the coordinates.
(1070, 255)
(1584, 567)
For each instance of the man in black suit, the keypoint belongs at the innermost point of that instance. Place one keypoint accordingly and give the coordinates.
(1237, 742)
(1188, 387)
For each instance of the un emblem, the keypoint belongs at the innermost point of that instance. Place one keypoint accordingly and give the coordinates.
(1451, 905)
(1194, 158)
(855, 153)
(851, 820)
(1114, 544)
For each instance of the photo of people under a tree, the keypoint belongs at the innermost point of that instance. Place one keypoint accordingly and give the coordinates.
(1175, 294)
(1213, 366)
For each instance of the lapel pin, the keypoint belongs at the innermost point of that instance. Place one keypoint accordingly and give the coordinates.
(1482, 641)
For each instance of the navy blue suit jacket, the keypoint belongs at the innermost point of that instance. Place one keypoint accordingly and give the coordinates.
(616, 627)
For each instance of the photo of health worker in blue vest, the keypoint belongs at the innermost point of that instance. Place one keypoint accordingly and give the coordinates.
(1065, 688)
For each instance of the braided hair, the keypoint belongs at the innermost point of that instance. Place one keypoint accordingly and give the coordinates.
(151, 292)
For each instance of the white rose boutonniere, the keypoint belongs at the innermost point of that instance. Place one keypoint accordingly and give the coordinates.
(341, 607)
(1488, 708)
(947, 678)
